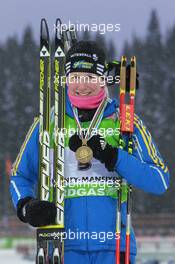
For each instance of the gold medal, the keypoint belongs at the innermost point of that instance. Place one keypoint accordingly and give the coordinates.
(84, 153)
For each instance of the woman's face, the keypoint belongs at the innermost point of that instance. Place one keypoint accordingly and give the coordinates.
(84, 84)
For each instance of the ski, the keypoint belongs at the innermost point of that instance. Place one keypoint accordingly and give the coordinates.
(126, 115)
(50, 244)
(44, 131)
(59, 124)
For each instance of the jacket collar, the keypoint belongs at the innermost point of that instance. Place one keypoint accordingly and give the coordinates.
(111, 107)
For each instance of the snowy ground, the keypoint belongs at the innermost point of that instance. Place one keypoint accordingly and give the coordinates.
(10, 256)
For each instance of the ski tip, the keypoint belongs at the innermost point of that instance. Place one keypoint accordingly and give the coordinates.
(58, 22)
(44, 31)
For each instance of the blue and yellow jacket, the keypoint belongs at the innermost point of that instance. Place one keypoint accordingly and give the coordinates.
(90, 210)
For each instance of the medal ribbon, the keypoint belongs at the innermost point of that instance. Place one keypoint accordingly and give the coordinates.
(95, 120)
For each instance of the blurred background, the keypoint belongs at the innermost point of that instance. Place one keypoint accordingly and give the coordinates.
(147, 31)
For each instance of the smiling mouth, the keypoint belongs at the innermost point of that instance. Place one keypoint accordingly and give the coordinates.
(83, 94)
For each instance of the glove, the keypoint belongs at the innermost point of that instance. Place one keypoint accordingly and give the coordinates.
(102, 151)
(113, 69)
(75, 142)
(36, 213)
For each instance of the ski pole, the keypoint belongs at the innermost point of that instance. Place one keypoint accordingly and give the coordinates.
(119, 187)
(130, 129)
(126, 115)
(118, 222)
(73, 35)
(67, 42)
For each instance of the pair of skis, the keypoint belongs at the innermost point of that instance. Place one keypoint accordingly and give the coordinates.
(126, 115)
(50, 244)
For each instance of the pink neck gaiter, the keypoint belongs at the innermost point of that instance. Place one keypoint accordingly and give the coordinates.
(87, 102)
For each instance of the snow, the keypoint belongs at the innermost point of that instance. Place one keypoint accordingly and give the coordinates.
(9, 256)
